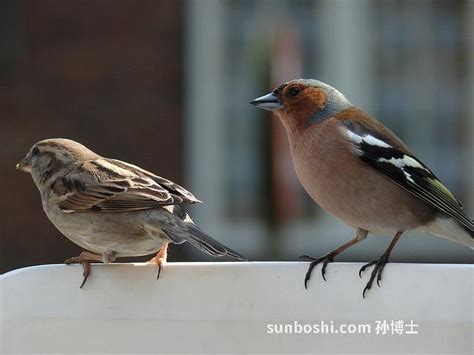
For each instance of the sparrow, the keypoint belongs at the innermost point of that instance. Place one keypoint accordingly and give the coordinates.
(361, 172)
(112, 208)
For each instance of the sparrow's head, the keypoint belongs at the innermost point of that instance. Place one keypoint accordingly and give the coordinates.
(303, 101)
(48, 157)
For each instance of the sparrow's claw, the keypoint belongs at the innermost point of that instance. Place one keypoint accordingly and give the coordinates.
(376, 272)
(73, 260)
(86, 266)
(84, 259)
(158, 261)
(326, 259)
(160, 266)
(160, 258)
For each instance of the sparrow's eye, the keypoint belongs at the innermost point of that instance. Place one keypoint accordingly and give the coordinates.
(292, 92)
(34, 152)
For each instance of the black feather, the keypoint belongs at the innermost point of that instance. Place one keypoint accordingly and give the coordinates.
(208, 244)
(423, 184)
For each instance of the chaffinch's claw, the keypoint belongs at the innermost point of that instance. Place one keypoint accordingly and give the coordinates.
(376, 272)
(326, 259)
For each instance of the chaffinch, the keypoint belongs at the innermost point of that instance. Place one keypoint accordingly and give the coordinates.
(361, 172)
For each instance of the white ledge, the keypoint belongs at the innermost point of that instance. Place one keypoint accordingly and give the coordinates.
(226, 307)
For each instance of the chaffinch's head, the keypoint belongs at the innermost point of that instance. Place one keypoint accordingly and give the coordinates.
(303, 101)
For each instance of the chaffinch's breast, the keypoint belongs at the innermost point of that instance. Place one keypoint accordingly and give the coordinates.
(348, 188)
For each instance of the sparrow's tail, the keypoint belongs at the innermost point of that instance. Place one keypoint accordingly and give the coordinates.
(208, 244)
(189, 232)
(202, 241)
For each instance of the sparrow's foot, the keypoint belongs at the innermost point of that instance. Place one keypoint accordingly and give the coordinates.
(160, 262)
(160, 258)
(326, 259)
(376, 272)
(84, 259)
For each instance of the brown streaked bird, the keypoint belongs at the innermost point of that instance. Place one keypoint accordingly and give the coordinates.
(111, 208)
(361, 172)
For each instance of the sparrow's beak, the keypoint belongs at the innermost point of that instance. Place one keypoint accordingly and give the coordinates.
(268, 102)
(24, 165)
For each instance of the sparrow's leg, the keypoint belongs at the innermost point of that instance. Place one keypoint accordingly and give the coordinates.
(328, 258)
(160, 258)
(84, 258)
(379, 264)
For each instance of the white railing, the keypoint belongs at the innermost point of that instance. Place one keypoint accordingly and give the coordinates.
(236, 308)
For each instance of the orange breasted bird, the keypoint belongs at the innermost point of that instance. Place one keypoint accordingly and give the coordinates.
(361, 172)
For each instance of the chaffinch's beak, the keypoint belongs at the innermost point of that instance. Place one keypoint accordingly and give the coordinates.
(268, 102)
(24, 165)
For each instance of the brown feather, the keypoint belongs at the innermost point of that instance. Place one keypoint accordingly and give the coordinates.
(108, 185)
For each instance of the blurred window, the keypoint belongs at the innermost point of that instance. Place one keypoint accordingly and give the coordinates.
(405, 62)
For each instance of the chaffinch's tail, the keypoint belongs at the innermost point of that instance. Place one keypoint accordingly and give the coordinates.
(449, 228)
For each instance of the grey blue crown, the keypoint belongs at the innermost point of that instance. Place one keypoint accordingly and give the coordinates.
(335, 101)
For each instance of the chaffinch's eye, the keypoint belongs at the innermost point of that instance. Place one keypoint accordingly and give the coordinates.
(292, 92)
(34, 152)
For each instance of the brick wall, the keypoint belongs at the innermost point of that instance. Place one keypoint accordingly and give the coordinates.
(105, 73)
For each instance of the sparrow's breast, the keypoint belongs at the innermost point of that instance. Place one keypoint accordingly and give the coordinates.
(123, 233)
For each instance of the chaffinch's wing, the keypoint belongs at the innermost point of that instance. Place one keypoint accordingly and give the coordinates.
(375, 145)
(109, 185)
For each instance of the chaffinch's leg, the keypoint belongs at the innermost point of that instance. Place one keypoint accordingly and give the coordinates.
(328, 258)
(160, 258)
(84, 258)
(379, 264)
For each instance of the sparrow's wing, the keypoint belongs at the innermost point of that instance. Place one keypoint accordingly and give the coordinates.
(378, 149)
(108, 185)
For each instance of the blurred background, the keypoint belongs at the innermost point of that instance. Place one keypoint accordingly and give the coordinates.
(166, 85)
